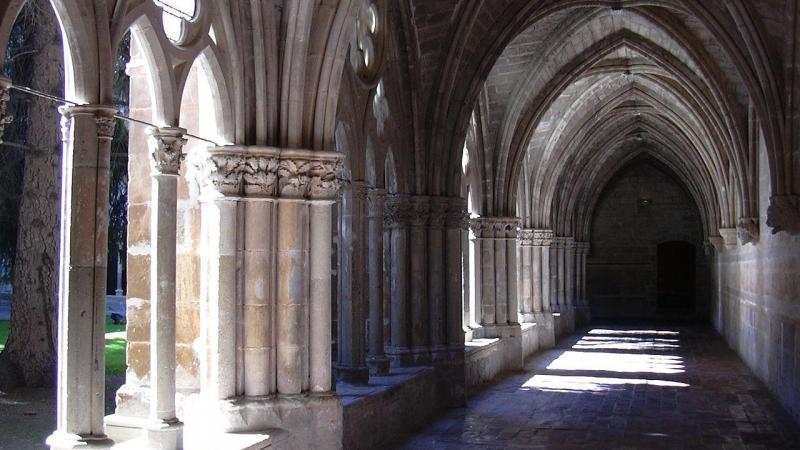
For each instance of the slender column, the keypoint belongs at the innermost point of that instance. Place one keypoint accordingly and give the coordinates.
(500, 231)
(553, 264)
(526, 290)
(396, 219)
(512, 312)
(82, 276)
(561, 275)
(351, 355)
(163, 430)
(258, 302)
(483, 231)
(420, 338)
(5, 97)
(324, 185)
(377, 361)
(569, 272)
(541, 270)
(456, 225)
(437, 320)
(221, 179)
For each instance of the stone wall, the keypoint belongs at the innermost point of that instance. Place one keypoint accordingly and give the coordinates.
(641, 208)
(756, 305)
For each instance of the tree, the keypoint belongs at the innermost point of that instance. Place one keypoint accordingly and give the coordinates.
(36, 56)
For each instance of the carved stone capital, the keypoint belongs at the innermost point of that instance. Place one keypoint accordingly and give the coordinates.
(105, 126)
(526, 237)
(397, 211)
(569, 243)
(5, 97)
(783, 214)
(438, 211)
(260, 175)
(728, 237)
(312, 174)
(221, 172)
(167, 150)
(457, 215)
(495, 227)
(747, 229)
(542, 238)
(420, 211)
(376, 198)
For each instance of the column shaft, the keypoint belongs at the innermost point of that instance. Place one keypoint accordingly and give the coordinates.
(292, 300)
(258, 301)
(320, 309)
(396, 218)
(377, 361)
(437, 321)
(420, 332)
(82, 275)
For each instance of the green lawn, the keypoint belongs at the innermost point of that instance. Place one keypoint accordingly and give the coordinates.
(115, 346)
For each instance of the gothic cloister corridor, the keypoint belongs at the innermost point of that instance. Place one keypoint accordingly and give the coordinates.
(622, 387)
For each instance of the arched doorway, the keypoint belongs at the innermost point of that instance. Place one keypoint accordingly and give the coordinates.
(676, 277)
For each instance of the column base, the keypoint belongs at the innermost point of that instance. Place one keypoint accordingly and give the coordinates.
(164, 435)
(547, 333)
(349, 374)
(378, 365)
(420, 356)
(399, 356)
(68, 441)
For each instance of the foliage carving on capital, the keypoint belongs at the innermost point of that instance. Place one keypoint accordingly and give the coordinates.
(167, 145)
(5, 97)
(729, 236)
(420, 211)
(222, 173)
(457, 215)
(325, 178)
(439, 210)
(526, 237)
(293, 177)
(397, 211)
(260, 175)
(105, 127)
(542, 238)
(747, 229)
(783, 214)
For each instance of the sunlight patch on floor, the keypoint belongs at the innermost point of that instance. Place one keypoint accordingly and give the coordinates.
(569, 383)
(618, 362)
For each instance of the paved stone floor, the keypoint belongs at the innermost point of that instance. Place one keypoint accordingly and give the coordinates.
(616, 387)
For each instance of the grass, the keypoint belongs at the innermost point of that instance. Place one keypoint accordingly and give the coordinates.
(115, 346)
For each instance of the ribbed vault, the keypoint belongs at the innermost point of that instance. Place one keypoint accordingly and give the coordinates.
(580, 91)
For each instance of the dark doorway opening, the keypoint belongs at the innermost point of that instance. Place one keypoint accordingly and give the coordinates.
(676, 277)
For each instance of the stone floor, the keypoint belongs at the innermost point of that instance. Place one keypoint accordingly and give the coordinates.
(622, 387)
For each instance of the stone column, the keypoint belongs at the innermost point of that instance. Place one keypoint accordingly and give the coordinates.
(437, 320)
(258, 287)
(500, 231)
(221, 176)
(483, 231)
(456, 225)
(5, 96)
(582, 311)
(561, 247)
(543, 298)
(80, 390)
(553, 264)
(569, 272)
(420, 339)
(351, 363)
(526, 290)
(396, 218)
(512, 271)
(163, 430)
(377, 361)
(324, 172)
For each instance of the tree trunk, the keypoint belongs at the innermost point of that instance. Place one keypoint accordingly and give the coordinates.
(29, 357)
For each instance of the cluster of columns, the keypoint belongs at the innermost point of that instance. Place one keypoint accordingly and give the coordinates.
(423, 238)
(270, 209)
(360, 340)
